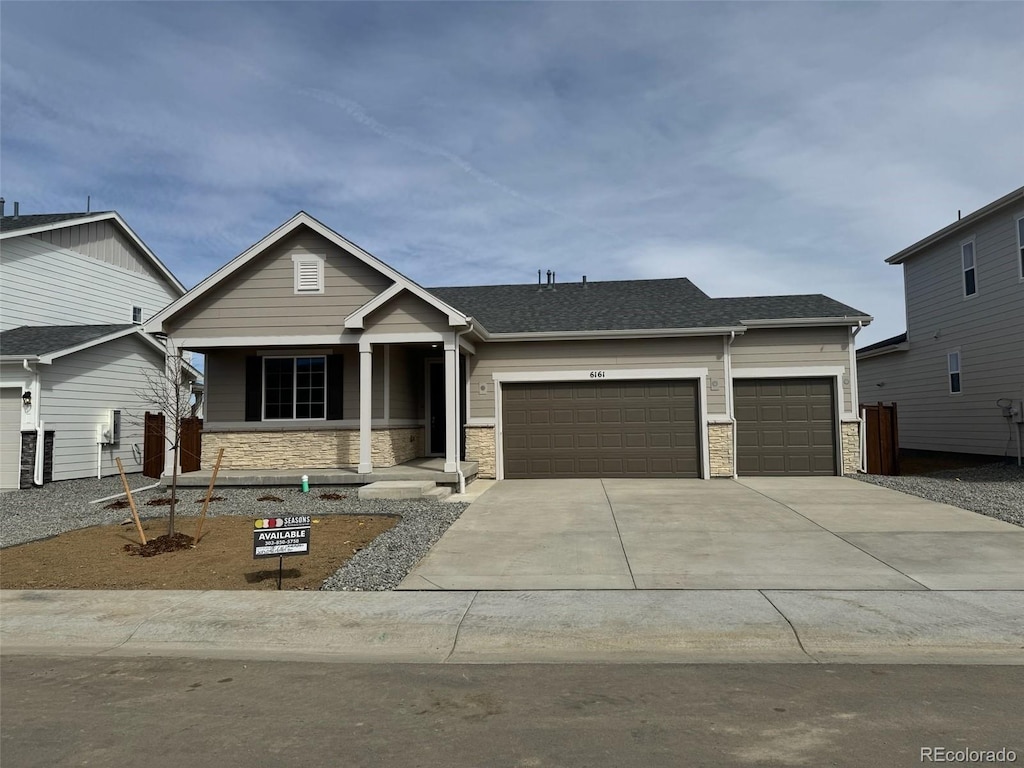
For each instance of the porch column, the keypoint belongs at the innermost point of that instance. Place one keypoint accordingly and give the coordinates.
(365, 407)
(451, 404)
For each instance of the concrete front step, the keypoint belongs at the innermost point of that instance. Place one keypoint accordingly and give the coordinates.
(401, 489)
(440, 493)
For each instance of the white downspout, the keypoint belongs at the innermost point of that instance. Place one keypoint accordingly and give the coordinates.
(729, 402)
(458, 404)
(855, 397)
(37, 423)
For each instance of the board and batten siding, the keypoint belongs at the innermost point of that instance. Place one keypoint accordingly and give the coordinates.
(533, 356)
(987, 329)
(797, 348)
(260, 299)
(47, 284)
(104, 241)
(77, 392)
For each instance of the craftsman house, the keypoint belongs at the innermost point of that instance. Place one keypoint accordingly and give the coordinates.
(319, 355)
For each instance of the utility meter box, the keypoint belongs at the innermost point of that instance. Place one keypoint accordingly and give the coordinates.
(110, 429)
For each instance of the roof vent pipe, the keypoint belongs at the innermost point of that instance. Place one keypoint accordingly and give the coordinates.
(584, 281)
(16, 206)
(2, 204)
(549, 278)
(552, 277)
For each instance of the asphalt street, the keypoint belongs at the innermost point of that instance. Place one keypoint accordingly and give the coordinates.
(157, 712)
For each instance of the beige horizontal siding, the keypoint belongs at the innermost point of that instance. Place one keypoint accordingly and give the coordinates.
(407, 313)
(591, 355)
(795, 348)
(260, 300)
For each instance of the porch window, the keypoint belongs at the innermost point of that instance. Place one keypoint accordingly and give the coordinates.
(294, 387)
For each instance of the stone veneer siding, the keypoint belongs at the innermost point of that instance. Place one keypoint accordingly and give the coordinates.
(851, 447)
(480, 448)
(720, 449)
(310, 449)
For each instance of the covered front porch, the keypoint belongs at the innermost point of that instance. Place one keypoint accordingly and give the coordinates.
(425, 468)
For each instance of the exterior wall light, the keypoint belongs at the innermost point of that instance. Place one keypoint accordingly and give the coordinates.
(26, 398)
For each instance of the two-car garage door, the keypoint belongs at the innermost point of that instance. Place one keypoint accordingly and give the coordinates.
(601, 429)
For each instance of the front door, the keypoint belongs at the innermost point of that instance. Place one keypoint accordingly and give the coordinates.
(435, 408)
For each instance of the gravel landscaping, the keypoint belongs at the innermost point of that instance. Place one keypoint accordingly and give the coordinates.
(64, 506)
(996, 490)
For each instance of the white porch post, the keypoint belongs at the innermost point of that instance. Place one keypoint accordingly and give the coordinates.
(365, 407)
(451, 404)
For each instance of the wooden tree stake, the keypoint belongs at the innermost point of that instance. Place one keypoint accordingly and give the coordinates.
(209, 493)
(131, 500)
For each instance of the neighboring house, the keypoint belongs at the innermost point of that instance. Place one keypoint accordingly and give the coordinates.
(959, 368)
(320, 355)
(76, 288)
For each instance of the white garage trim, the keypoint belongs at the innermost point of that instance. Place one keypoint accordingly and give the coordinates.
(608, 374)
(834, 372)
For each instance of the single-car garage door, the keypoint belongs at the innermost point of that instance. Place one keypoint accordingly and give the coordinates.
(10, 436)
(601, 429)
(785, 427)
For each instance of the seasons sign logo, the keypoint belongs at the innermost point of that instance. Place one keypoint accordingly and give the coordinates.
(277, 536)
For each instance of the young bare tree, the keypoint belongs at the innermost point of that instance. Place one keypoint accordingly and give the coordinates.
(170, 392)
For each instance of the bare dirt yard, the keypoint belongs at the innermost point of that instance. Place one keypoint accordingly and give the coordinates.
(106, 556)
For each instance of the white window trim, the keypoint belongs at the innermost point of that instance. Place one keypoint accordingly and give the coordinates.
(142, 315)
(959, 371)
(263, 387)
(301, 259)
(1020, 246)
(974, 267)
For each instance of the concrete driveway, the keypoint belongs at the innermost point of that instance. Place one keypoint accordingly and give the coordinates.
(753, 533)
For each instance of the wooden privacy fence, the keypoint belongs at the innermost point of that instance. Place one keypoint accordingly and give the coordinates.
(191, 444)
(154, 445)
(881, 439)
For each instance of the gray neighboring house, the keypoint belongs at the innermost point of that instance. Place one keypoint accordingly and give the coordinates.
(76, 288)
(320, 355)
(959, 367)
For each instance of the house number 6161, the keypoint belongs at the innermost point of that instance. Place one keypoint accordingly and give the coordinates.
(597, 374)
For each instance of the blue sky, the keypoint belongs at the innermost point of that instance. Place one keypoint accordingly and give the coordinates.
(757, 148)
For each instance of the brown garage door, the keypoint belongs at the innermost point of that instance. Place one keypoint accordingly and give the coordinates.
(785, 427)
(601, 429)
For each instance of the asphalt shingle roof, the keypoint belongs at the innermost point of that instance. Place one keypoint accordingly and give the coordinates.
(43, 339)
(890, 342)
(625, 305)
(12, 223)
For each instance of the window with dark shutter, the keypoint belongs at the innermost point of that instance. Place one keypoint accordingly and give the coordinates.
(253, 388)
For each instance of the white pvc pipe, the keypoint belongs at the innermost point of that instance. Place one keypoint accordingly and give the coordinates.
(122, 493)
(37, 474)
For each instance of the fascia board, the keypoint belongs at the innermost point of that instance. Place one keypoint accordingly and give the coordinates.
(969, 220)
(108, 216)
(356, 320)
(49, 357)
(787, 322)
(619, 334)
(903, 347)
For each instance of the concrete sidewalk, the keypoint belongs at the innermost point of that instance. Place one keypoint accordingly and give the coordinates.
(691, 626)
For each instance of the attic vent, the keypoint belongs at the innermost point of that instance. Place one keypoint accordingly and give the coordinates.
(309, 273)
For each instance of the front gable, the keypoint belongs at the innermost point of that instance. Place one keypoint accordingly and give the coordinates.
(263, 297)
(303, 281)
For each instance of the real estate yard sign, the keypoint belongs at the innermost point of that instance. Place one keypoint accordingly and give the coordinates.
(280, 536)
